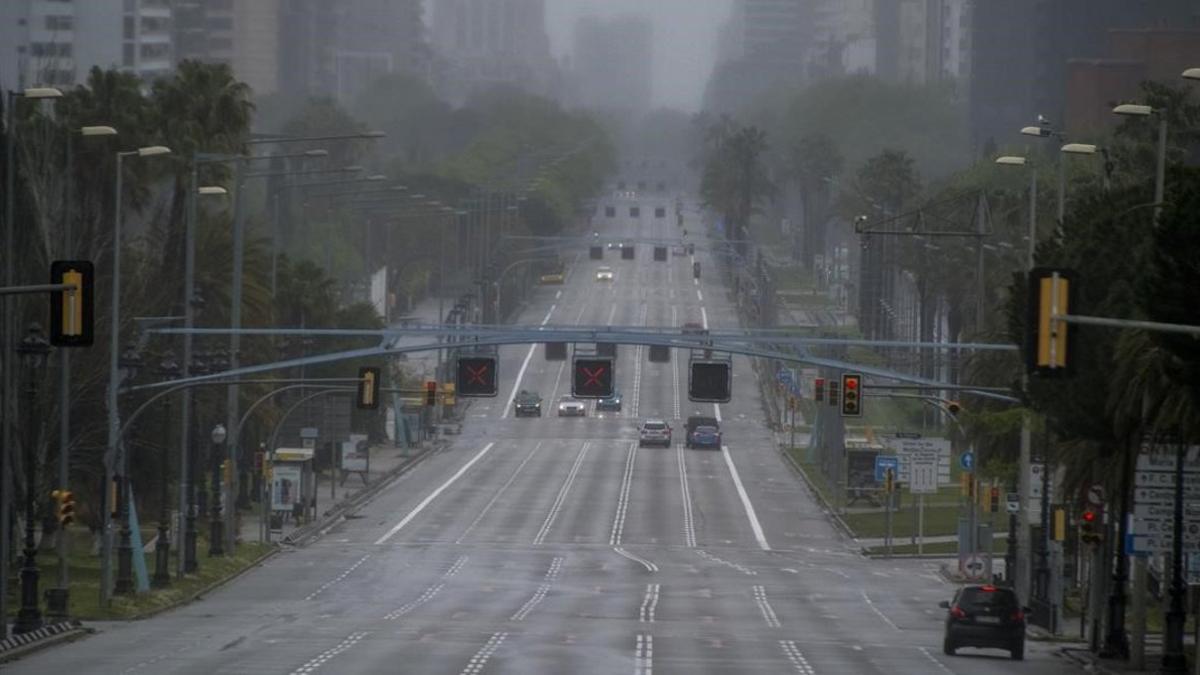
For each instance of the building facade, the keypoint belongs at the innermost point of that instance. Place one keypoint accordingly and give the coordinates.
(480, 44)
(612, 63)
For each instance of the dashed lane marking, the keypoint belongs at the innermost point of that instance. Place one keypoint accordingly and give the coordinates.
(495, 497)
(618, 527)
(689, 526)
(434, 495)
(649, 604)
(675, 363)
(712, 558)
(941, 666)
(764, 606)
(562, 495)
(643, 656)
(456, 567)
(871, 604)
(475, 666)
(796, 657)
(650, 567)
(338, 578)
(408, 607)
(741, 490)
(320, 659)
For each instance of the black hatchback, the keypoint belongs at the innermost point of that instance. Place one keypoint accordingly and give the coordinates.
(985, 616)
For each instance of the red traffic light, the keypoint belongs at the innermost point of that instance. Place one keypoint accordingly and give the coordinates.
(1089, 516)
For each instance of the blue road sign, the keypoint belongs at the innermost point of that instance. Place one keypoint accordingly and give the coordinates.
(784, 375)
(967, 461)
(883, 463)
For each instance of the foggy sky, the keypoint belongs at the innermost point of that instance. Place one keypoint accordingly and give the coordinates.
(685, 33)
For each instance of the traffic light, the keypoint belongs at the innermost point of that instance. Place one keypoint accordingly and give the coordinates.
(66, 506)
(832, 386)
(556, 351)
(851, 395)
(430, 393)
(448, 393)
(1089, 527)
(1047, 343)
(592, 377)
(819, 390)
(710, 381)
(660, 354)
(368, 388)
(72, 313)
(994, 500)
(476, 377)
(889, 481)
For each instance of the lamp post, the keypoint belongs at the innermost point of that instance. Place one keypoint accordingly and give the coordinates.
(33, 351)
(114, 382)
(216, 537)
(130, 363)
(187, 559)
(7, 337)
(167, 369)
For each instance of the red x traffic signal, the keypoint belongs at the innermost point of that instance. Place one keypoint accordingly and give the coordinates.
(592, 377)
(477, 376)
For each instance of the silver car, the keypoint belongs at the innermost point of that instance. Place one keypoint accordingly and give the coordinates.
(655, 432)
(570, 407)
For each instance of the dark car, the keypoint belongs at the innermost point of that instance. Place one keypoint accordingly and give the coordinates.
(611, 403)
(704, 437)
(527, 403)
(985, 616)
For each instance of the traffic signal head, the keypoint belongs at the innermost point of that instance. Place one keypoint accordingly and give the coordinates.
(852, 395)
(368, 388)
(430, 393)
(476, 377)
(66, 506)
(592, 377)
(72, 313)
(1089, 528)
(556, 351)
(710, 381)
(832, 386)
(819, 390)
(1047, 342)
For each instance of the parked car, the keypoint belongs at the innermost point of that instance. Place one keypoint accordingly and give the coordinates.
(704, 436)
(654, 431)
(985, 616)
(570, 407)
(611, 403)
(527, 403)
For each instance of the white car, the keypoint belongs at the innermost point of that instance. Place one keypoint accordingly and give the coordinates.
(604, 273)
(569, 407)
(655, 432)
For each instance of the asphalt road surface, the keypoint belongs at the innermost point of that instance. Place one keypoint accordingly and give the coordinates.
(547, 545)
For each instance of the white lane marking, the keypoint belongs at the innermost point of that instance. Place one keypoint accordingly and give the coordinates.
(490, 504)
(796, 657)
(689, 526)
(649, 604)
(675, 363)
(643, 658)
(618, 526)
(838, 572)
(760, 598)
(741, 568)
(562, 495)
(477, 662)
(637, 367)
(700, 294)
(704, 318)
(875, 609)
(433, 495)
(611, 313)
(717, 411)
(741, 490)
(320, 659)
(650, 567)
(425, 597)
(932, 658)
(456, 567)
(557, 295)
(540, 594)
(339, 577)
(695, 281)
(525, 364)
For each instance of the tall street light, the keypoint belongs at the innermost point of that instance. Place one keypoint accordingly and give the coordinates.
(216, 538)
(1160, 173)
(33, 351)
(1191, 74)
(114, 381)
(167, 369)
(7, 337)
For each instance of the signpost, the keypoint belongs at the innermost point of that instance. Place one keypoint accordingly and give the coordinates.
(1153, 525)
(923, 472)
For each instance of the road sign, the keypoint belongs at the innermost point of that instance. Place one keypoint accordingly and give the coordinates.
(1164, 460)
(923, 474)
(1012, 502)
(1164, 495)
(911, 447)
(1159, 479)
(883, 463)
(967, 461)
(1095, 494)
(973, 566)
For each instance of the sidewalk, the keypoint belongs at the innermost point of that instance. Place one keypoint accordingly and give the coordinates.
(1094, 664)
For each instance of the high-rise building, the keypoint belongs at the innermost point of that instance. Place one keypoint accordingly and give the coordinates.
(245, 34)
(765, 43)
(612, 64)
(337, 47)
(494, 42)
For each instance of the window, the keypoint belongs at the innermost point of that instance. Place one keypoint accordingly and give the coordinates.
(129, 28)
(155, 51)
(55, 22)
(128, 56)
(50, 49)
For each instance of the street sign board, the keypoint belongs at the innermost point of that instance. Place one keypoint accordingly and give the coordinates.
(1165, 512)
(974, 566)
(1164, 459)
(967, 461)
(909, 447)
(1095, 494)
(923, 474)
(883, 463)
(1159, 479)
(1012, 502)
(1164, 543)
(1164, 495)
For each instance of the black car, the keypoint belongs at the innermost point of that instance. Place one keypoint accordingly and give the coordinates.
(611, 403)
(527, 403)
(985, 616)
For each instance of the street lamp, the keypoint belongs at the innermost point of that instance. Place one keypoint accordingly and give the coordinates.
(1191, 74)
(33, 351)
(167, 369)
(114, 381)
(216, 537)
(129, 363)
(1138, 110)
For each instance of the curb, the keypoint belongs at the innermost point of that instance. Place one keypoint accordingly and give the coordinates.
(1084, 659)
(201, 592)
(25, 644)
(338, 512)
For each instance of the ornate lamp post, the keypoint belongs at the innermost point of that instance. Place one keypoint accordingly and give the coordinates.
(33, 350)
(167, 369)
(216, 535)
(198, 366)
(129, 364)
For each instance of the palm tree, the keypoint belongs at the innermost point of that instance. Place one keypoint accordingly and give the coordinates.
(813, 162)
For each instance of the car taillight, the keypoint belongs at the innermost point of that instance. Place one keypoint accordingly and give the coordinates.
(1018, 615)
(957, 612)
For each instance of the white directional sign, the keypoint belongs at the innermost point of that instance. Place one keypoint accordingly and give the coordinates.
(912, 448)
(1153, 525)
(1095, 494)
(923, 476)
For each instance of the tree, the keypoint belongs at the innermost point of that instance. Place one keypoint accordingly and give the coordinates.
(735, 180)
(814, 161)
